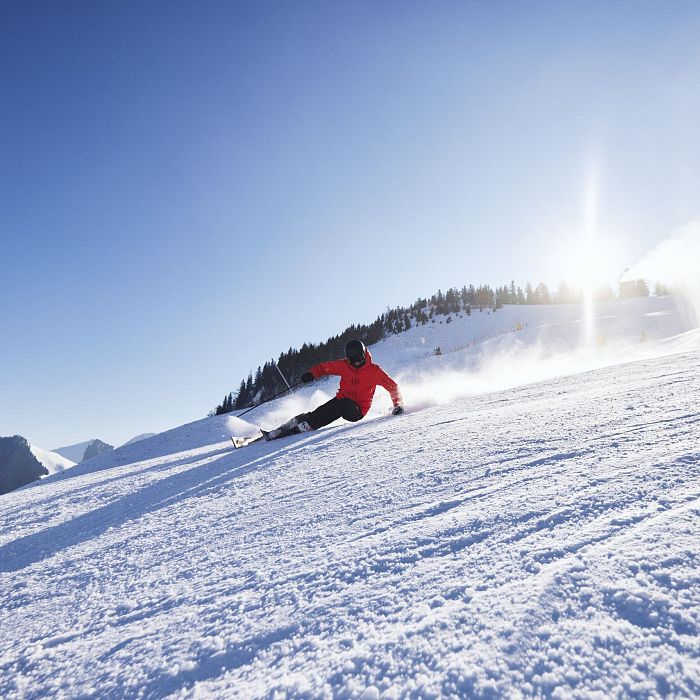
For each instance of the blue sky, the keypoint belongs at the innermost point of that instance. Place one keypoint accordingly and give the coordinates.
(190, 188)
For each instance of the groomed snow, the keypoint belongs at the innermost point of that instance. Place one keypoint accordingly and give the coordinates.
(538, 539)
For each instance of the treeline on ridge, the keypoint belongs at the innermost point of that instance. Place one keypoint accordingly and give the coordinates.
(267, 380)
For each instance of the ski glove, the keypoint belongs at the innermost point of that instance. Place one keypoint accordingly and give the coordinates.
(307, 377)
(398, 410)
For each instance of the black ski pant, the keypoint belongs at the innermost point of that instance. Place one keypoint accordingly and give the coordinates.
(332, 410)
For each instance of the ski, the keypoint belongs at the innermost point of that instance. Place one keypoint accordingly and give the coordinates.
(239, 442)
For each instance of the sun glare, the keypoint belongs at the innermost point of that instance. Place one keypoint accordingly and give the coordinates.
(590, 266)
(586, 266)
(587, 259)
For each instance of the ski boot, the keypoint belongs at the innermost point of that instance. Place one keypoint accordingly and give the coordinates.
(298, 424)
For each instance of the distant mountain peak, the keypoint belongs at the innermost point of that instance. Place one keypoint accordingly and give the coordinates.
(73, 452)
(52, 461)
(18, 465)
(96, 448)
(81, 451)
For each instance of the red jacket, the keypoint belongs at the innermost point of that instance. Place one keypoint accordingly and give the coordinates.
(359, 383)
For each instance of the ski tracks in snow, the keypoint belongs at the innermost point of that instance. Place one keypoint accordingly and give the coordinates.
(539, 542)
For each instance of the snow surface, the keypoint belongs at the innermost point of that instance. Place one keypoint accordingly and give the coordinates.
(53, 461)
(138, 438)
(533, 531)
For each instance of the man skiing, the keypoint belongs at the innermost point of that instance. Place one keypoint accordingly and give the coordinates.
(359, 377)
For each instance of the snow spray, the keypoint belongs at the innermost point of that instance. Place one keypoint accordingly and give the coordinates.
(277, 412)
(675, 261)
(509, 363)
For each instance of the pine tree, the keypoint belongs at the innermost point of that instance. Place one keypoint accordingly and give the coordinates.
(603, 292)
(440, 303)
(242, 396)
(634, 288)
(563, 295)
(542, 294)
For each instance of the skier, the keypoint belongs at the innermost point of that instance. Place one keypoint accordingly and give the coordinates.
(359, 377)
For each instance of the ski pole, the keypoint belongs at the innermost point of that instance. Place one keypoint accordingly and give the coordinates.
(283, 377)
(284, 391)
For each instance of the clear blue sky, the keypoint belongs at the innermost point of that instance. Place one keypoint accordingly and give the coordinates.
(189, 188)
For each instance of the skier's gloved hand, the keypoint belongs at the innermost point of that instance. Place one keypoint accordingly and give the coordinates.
(398, 410)
(307, 377)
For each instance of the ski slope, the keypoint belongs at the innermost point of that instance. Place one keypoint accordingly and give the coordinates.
(537, 537)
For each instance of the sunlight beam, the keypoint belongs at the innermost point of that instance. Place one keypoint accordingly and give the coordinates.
(587, 263)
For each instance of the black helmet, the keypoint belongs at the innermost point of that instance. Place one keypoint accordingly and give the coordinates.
(355, 351)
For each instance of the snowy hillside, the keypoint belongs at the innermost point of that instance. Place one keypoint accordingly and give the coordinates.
(138, 438)
(614, 329)
(531, 527)
(53, 461)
